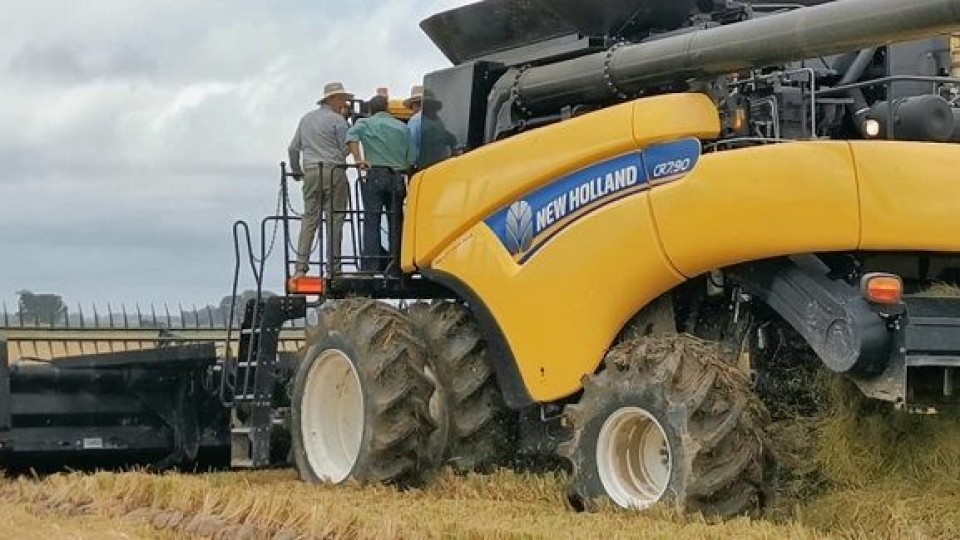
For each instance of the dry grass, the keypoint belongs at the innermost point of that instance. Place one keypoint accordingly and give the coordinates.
(29, 522)
(277, 505)
(887, 474)
(506, 505)
(941, 290)
(864, 443)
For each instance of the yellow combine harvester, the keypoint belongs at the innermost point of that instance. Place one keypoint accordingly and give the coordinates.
(646, 201)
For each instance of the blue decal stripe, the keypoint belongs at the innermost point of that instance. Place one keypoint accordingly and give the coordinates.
(529, 223)
(671, 161)
(523, 257)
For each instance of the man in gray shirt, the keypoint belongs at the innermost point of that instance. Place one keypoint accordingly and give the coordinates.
(322, 138)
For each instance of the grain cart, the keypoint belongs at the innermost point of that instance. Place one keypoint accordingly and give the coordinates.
(617, 200)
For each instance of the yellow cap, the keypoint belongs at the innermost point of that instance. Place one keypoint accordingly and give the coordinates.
(398, 110)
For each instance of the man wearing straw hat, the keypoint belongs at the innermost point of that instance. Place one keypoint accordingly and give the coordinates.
(322, 139)
(415, 103)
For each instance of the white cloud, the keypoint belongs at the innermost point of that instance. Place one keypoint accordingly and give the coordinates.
(188, 98)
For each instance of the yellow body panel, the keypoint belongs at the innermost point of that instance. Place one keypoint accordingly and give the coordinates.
(760, 202)
(560, 307)
(910, 195)
(455, 195)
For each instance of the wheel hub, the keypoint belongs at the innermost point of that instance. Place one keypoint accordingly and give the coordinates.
(333, 416)
(634, 458)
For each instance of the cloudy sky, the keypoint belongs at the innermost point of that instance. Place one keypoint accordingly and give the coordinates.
(133, 133)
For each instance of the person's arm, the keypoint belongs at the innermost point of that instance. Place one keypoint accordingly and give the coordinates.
(353, 137)
(293, 152)
(342, 130)
(354, 148)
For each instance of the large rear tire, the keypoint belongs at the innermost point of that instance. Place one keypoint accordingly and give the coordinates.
(667, 422)
(475, 429)
(360, 399)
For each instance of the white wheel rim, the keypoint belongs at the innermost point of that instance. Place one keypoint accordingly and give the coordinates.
(634, 458)
(331, 418)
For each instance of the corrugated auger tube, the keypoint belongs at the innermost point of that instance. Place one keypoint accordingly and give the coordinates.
(837, 27)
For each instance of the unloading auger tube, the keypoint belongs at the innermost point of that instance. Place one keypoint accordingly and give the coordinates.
(623, 71)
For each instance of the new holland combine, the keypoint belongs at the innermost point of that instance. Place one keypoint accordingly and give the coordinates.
(641, 193)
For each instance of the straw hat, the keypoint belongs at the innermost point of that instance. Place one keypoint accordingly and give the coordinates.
(416, 94)
(333, 89)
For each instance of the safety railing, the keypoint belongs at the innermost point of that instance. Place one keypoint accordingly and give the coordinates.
(346, 251)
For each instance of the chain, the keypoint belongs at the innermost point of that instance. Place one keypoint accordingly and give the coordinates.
(515, 92)
(276, 231)
(608, 70)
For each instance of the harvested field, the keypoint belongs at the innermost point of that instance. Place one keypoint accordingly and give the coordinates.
(277, 505)
(857, 497)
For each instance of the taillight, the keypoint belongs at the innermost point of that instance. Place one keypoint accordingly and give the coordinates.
(307, 286)
(880, 288)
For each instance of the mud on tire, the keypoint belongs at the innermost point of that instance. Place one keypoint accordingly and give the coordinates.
(692, 415)
(475, 429)
(360, 398)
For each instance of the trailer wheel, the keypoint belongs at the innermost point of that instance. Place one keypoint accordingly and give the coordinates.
(667, 422)
(475, 429)
(360, 399)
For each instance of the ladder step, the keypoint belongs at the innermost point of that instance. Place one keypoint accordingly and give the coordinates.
(240, 447)
(253, 399)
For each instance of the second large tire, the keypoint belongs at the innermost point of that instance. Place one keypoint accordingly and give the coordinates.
(475, 430)
(360, 399)
(668, 423)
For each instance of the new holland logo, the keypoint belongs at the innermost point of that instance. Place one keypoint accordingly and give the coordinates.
(529, 223)
(519, 227)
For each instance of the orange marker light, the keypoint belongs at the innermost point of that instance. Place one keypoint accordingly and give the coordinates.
(881, 288)
(740, 119)
(308, 286)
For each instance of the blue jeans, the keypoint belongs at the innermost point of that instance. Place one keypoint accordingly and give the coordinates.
(383, 191)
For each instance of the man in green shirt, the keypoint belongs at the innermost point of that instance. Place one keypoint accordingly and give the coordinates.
(387, 154)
